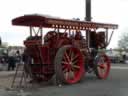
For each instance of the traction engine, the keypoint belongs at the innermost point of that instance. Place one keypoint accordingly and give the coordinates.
(65, 51)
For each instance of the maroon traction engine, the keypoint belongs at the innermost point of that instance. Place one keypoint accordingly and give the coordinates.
(68, 49)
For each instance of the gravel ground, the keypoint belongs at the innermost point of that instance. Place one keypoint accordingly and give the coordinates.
(115, 85)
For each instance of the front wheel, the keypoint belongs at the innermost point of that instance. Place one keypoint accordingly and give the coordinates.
(102, 66)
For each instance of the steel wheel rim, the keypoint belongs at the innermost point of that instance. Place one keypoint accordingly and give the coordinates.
(72, 65)
(103, 67)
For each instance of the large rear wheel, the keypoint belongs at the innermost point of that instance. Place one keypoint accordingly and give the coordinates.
(69, 65)
(102, 66)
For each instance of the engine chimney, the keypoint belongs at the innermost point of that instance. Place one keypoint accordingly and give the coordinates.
(88, 10)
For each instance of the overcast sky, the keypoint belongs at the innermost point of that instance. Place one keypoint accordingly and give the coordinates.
(109, 11)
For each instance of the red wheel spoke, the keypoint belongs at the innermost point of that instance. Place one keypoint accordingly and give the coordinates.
(63, 67)
(105, 67)
(65, 70)
(64, 62)
(71, 74)
(67, 56)
(101, 66)
(102, 72)
(70, 53)
(74, 57)
(66, 75)
(101, 61)
(74, 62)
(76, 66)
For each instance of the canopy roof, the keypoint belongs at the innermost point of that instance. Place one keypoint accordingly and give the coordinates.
(37, 20)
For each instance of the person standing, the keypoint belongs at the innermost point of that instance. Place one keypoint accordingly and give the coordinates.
(11, 63)
(18, 56)
(124, 58)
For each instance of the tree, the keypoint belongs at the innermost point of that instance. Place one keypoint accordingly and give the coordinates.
(123, 42)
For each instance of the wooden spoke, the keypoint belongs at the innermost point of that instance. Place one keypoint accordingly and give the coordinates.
(75, 57)
(75, 62)
(65, 70)
(67, 56)
(71, 74)
(65, 59)
(64, 62)
(72, 54)
(66, 75)
(76, 66)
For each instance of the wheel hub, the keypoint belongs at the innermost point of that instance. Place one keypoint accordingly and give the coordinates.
(69, 66)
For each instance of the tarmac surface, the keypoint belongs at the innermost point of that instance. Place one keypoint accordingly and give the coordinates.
(115, 85)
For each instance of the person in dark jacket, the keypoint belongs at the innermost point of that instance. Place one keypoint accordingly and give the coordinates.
(124, 58)
(11, 63)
